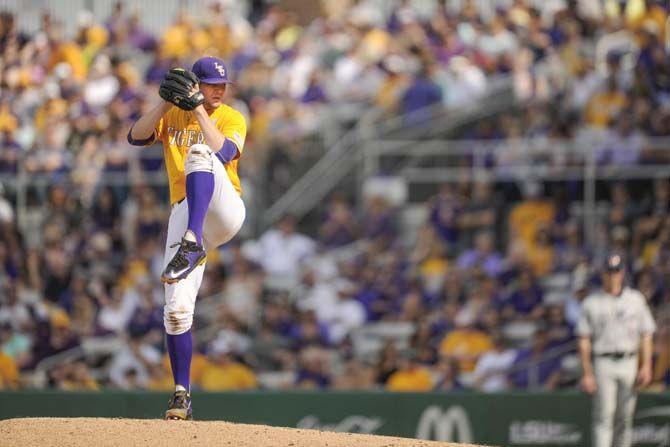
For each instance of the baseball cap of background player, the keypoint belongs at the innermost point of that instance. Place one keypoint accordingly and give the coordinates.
(613, 263)
(211, 70)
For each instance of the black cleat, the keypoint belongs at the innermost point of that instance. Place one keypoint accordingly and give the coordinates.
(179, 407)
(188, 257)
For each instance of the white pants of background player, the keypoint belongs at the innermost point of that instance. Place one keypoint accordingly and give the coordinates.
(223, 220)
(614, 401)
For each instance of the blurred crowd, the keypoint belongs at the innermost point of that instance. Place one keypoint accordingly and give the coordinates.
(490, 286)
(69, 98)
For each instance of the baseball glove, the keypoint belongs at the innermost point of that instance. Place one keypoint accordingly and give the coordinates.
(176, 88)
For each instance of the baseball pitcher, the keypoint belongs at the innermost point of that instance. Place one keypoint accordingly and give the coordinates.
(202, 142)
(615, 328)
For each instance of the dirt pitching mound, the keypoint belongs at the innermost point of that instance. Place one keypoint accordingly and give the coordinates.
(94, 432)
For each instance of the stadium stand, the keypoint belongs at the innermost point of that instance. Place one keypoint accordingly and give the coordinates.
(467, 276)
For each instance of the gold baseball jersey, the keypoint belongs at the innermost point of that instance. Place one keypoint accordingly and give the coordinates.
(179, 130)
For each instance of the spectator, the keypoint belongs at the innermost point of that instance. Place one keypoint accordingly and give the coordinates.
(444, 321)
(339, 227)
(580, 290)
(117, 310)
(6, 209)
(74, 377)
(147, 316)
(343, 315)
(445, 214)
(317, 296)
(423, 343)
(661, 354)
(387, 364)
(10, 149)
(15, 314)
(483, 256)
(585, 83)
(410, 376)
(481, 211)
(281, 250)
(422, 93)
(50, 157)
(558, 329)
(623, 145)
(650, 11)
(447, 376)
(102, 85)
(53, 337)
(465, 344)
(242, 292)
(529, 215)
(464, 83)
(105, 210)
(411, 305)
(623, 210)
(654, 211)
(315, 91)
(430, 256)
(223, 373)
(532, 369)
(479, 302)
(313, 371)
(355, 376)
(490, 374)
(9, 373)
(15, 344)
(649, 285)
(605, 105)
(525, 299)
(655, 245)
(377, 222)
(87, 166)
(570, 251)
(85, 258)
(541, 254)
(137, 357)
(307, 331)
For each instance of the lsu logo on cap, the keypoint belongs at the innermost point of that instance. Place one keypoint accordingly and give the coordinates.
(220, 69)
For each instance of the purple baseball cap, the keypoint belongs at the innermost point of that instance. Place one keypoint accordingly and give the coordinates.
(211, 70)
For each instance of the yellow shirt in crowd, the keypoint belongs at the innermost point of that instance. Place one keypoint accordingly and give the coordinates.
(468, 342)
(417, 379)
(231, 376)
(604, 106)
(9, 373)
(527, 217)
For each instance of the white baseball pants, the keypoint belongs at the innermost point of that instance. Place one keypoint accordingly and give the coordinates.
(224, 219)
(614, 401)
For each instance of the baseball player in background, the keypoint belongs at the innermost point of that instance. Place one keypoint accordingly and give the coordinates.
(202, 141)
(615, 332)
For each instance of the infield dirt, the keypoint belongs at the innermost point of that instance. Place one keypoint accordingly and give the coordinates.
(93, 432)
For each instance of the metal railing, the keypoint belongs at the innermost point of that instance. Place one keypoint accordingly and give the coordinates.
(533, 365)
(418, 162)
(39, 377)
(345, 157)
(518, 160)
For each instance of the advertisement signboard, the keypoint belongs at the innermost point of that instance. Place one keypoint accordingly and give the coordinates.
(507, 419)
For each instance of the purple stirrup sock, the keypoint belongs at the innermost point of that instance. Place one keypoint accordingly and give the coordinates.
(180, 350)
(199, 190)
